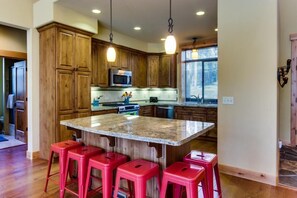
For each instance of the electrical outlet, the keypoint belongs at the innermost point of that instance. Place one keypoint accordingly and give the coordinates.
(228, 100)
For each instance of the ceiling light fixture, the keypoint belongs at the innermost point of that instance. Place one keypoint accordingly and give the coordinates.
(200, 13)
(163, 39)
(111, 53)
(170, 42)
(194, 50)
(216, 29)
(137, 28)
(96, 11)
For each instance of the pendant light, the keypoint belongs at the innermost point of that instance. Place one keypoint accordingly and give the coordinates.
(194, 50)
(170, 42)
(111, 54)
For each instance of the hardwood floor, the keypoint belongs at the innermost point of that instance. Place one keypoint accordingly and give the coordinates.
(22, 178)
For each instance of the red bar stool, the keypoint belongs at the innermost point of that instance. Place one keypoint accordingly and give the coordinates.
(81, 155)
(61, 148)
(138, 171)
(106, 163)
(210, 162)
(184, 174)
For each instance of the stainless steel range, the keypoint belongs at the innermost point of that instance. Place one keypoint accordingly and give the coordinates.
(128, 109)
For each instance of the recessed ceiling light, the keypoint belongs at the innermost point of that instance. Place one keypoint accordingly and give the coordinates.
(163, 39)
(200, 13)
(137, 28)
(216, 29)
(96, 11)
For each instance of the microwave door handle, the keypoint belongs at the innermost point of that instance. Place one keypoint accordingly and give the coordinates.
(129, 80)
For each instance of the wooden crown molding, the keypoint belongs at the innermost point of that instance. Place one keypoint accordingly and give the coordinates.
(13, 54)
(200, 44)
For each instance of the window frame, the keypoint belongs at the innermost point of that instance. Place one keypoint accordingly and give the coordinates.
(205, 101)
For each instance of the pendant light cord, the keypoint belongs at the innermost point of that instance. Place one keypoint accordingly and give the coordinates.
(170, 20)
(110, 35)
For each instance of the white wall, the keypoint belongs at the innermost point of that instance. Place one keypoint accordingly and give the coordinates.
(287, 26)
(247, 130)
(19, 14)
(12, 39)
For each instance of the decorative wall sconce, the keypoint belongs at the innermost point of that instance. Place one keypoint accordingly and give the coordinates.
(282, 72)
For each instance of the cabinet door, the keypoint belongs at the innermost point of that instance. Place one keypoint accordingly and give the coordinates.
(139, 68)
(125, 59)
(83, 52)
(82, 91)
(95, 73)
(65, 50)
(62, 132)
(147, 111)
(64, 91)
(102, 66)
(167, 71)
(153, 70)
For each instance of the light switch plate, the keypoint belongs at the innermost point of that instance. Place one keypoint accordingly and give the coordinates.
(228, 100)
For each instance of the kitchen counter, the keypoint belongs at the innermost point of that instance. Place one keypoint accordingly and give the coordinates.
(160, 140)
(141, 128)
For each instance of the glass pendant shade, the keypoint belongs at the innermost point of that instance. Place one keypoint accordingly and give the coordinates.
(194, 54)
(170, 44)
(111, 54)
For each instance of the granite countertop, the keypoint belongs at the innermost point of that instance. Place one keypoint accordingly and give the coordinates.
(187, 104)
(148, 129)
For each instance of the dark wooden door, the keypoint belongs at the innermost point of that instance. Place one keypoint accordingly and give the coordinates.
(21, 101)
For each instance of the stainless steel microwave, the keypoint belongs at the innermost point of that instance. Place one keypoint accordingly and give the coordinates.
(120, 78)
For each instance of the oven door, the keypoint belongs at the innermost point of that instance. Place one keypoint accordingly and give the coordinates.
(129, 112)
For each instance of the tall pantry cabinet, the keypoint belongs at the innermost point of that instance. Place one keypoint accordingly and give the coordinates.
(65, 80)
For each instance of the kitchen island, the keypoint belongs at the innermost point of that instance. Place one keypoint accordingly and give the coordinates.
(163, 141)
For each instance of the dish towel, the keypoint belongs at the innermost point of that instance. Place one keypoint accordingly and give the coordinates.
(10, 101)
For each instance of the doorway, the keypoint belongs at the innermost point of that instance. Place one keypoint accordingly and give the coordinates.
(13, 102)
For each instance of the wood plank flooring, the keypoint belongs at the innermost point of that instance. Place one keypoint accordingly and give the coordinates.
(22, 178)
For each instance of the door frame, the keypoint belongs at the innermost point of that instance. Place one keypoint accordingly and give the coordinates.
(293, 133)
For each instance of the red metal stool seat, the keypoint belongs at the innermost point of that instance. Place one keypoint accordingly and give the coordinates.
(210, 162)
(139, 172)
(81, 155)
(106, 163)
(184, 174)
(61, 148)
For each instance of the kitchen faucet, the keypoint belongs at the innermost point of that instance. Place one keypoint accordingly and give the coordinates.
(198, 99)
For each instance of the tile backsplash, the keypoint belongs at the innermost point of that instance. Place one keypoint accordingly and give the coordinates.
(138, 94)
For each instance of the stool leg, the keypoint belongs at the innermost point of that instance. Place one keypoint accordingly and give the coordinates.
(88, 181)
(164, 187)
(217, 175)
(204, 188)
(116, 188)
(81, 177)
(62, 187)
(192, 190)
(49, 166)
(209, 176)
(106, 183)
(140, 189)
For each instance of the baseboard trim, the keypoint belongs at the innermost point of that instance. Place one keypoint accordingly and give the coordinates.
(32, 155)
(247, 174)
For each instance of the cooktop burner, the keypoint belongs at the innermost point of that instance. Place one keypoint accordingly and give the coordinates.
(117, 104)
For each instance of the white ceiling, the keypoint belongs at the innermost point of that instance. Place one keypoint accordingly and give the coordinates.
(152, 16)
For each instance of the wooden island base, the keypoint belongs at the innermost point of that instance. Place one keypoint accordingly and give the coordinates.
(140, 150)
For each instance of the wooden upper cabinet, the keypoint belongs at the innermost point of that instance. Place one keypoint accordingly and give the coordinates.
(153, 62)
(99, 65)
(65, 50)
(83, 52)
(167, 71)
(82, 91)
(74, 51)
(139, 69)
(125, 56)
(65, 91)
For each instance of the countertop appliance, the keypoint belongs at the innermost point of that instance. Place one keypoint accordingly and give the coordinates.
(165, 111)
(128, 109)
(153, 99)
(120, 78)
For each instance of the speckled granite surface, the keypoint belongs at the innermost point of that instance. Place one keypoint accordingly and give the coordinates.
(148, 129)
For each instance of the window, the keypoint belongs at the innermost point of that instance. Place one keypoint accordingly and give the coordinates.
(201, 74)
